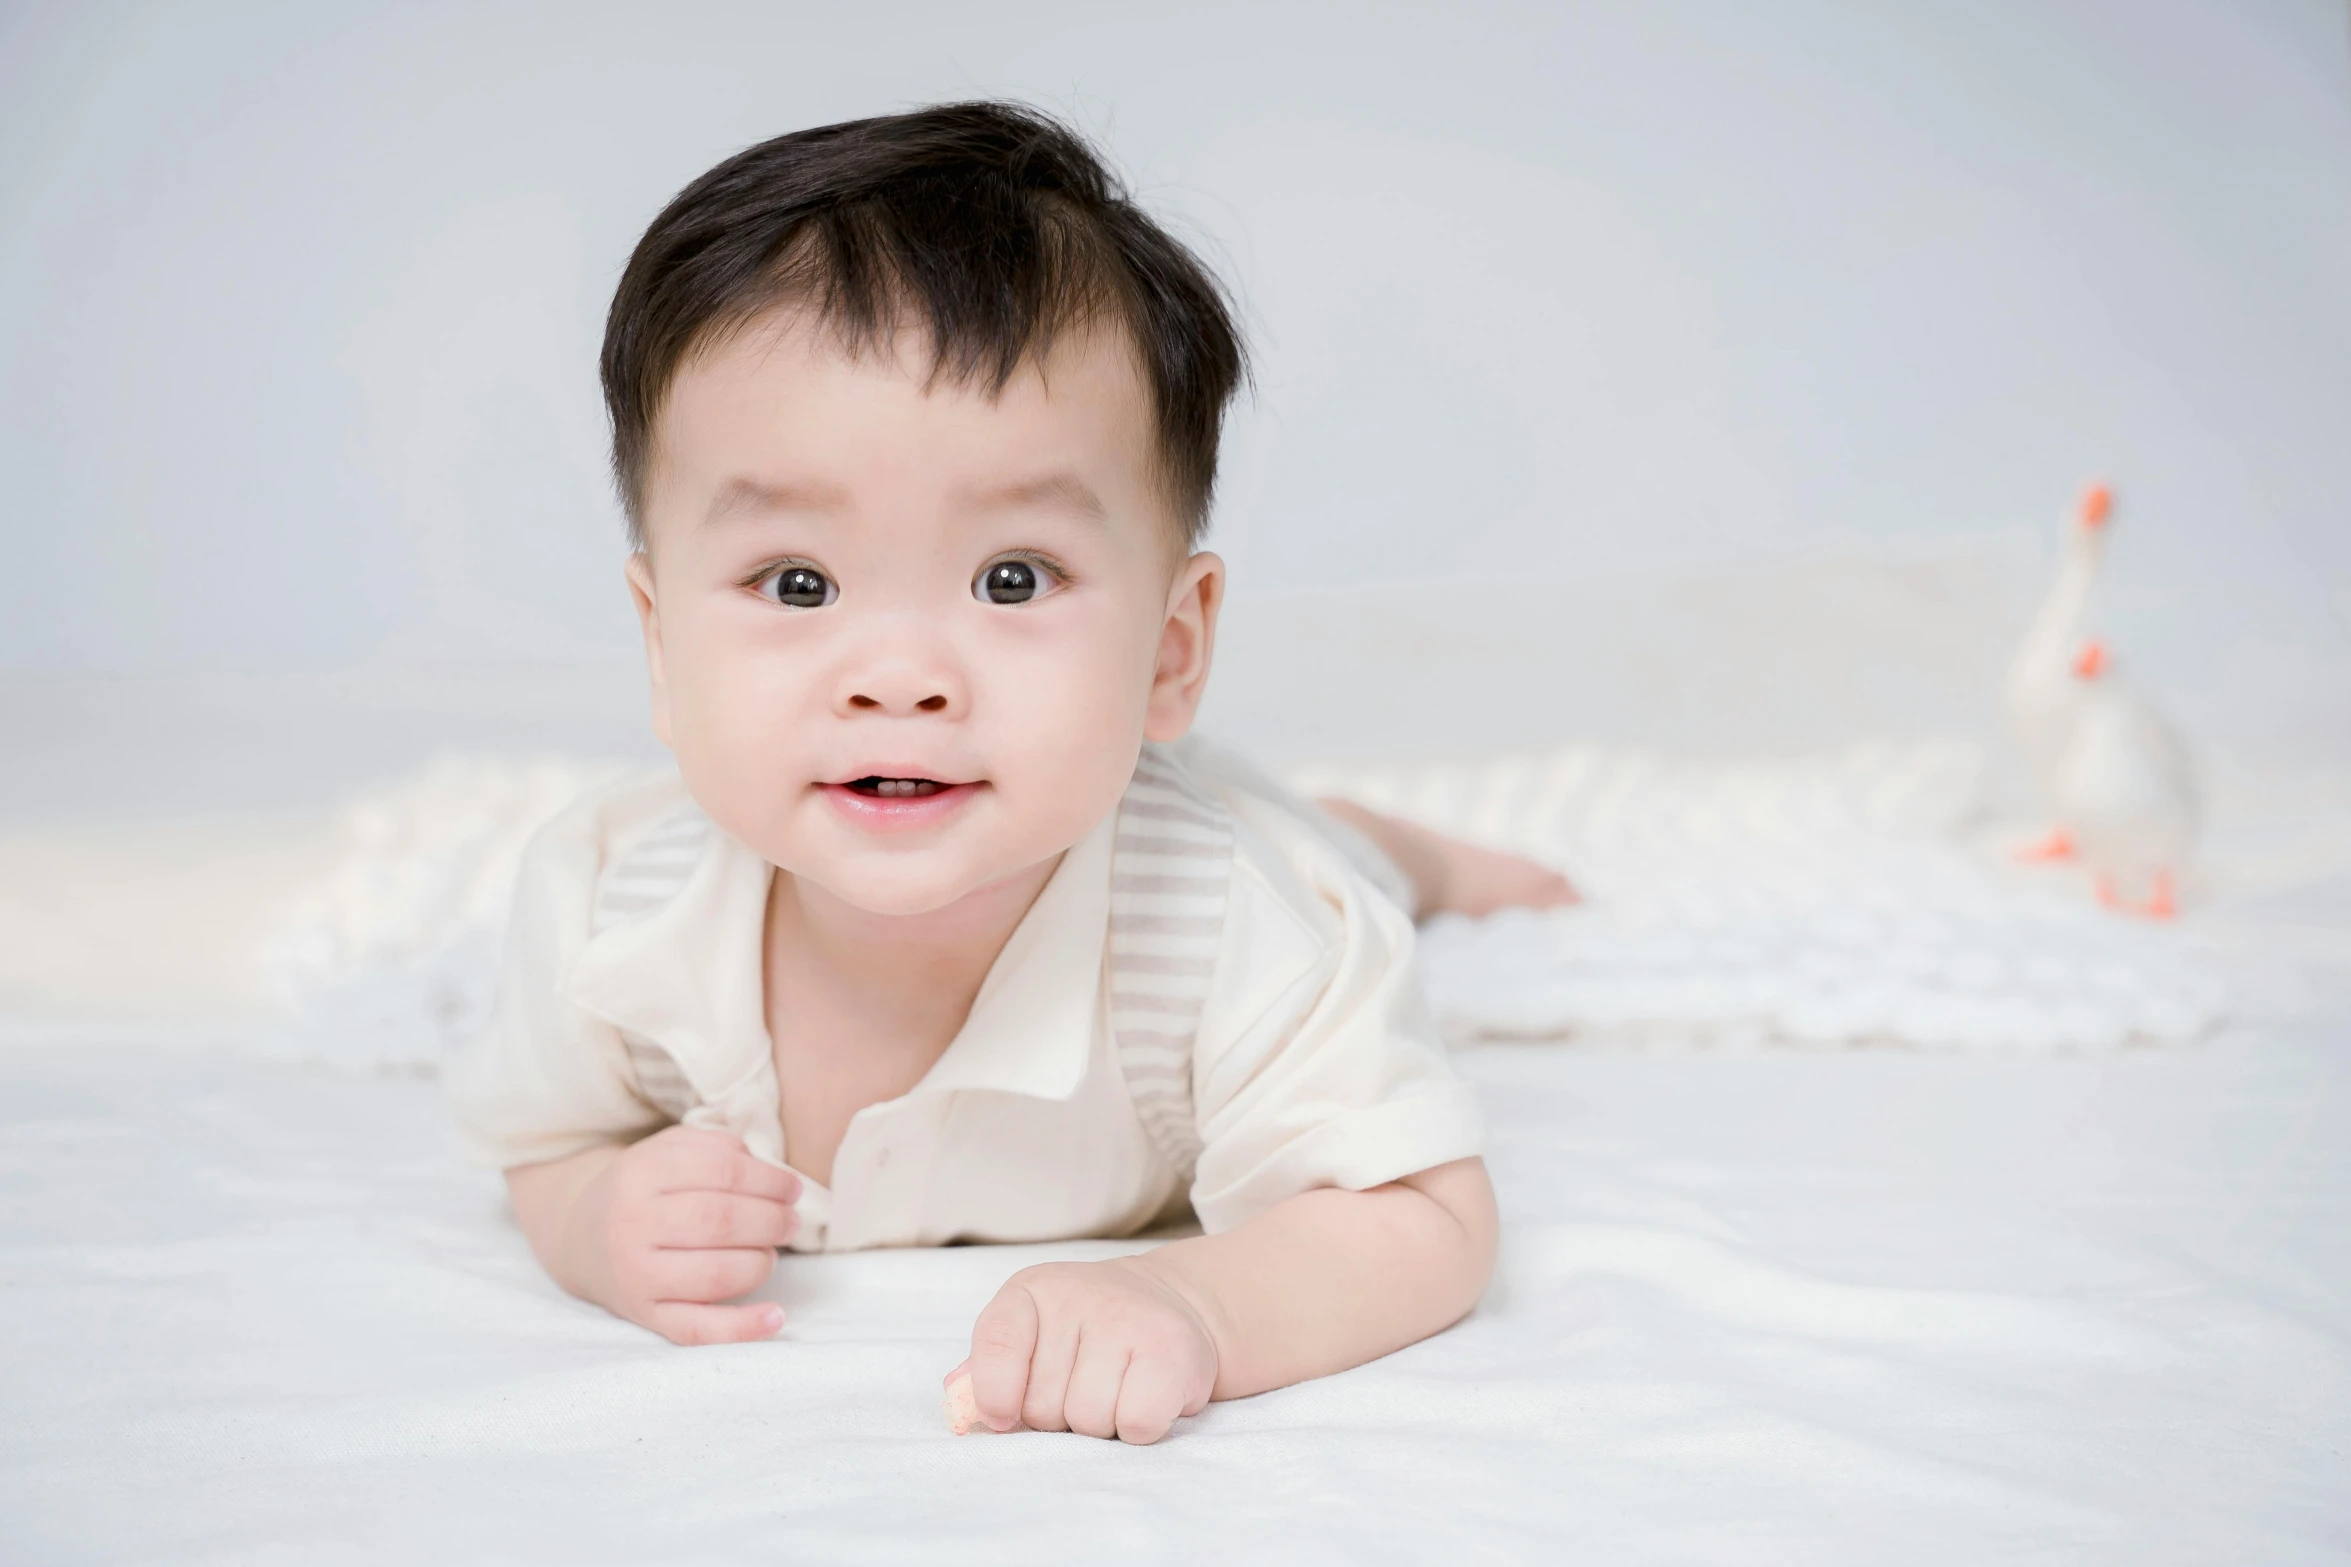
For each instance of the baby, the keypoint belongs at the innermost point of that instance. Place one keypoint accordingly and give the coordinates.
(937, 933)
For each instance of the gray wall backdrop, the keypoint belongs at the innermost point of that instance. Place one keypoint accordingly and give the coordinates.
(299, 303)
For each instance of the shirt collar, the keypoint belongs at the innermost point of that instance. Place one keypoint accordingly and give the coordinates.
(1031, 1028)
(687, 975)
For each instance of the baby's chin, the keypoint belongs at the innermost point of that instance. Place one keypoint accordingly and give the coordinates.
(907, 883)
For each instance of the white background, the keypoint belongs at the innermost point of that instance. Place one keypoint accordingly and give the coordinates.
(1578, 317)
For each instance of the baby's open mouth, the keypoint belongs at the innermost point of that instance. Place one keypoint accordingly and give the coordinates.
(893, 802)
(895, 788)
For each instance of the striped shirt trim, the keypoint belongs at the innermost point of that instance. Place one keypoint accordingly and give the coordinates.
(661, 1083)
(1171, 867)
(642, 877)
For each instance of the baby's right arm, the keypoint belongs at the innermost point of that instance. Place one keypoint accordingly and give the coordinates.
(662, 1230)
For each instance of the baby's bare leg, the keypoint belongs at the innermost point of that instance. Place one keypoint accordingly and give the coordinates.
(1452, 877)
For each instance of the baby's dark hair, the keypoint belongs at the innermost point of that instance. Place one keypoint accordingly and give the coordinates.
(992, 224)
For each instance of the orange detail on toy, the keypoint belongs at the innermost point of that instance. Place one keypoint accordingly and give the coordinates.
(2161, 903)
(2090, 662)
(2057, 846)
(2094, 505)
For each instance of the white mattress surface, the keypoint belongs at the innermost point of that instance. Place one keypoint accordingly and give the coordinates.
(1855, 1306)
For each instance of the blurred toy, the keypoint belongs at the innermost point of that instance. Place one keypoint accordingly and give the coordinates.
(2123, 791)
(960, 1407)
(2042, 697)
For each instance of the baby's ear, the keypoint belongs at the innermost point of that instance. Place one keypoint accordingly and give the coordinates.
(639, 572)
(1187, 645)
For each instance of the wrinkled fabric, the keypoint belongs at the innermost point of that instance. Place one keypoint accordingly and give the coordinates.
(1852, 1307)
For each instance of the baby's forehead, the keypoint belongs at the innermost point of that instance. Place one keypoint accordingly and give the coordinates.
(1097, 348)
(791, 385)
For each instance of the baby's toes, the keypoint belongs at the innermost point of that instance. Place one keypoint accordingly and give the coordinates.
(1479, 882)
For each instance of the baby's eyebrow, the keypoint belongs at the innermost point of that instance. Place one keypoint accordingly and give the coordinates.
(740, 497)
(1061, 491)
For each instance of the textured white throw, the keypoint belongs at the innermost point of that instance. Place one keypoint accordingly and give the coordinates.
(395, 960)
(1825, 899)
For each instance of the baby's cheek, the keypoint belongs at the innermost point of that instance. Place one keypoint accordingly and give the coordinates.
(1063, 737)
(738, 746)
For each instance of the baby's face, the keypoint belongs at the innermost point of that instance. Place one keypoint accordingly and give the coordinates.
(906, 642)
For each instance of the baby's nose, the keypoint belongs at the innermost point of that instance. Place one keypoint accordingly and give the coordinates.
(901, 683)
(936, 702)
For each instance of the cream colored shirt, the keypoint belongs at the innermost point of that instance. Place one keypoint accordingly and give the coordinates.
(1314, 1064)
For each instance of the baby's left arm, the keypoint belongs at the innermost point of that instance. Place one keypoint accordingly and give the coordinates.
(1318, 1282)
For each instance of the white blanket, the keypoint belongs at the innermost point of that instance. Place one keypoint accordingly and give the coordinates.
(1835, 898)
(1858, 895)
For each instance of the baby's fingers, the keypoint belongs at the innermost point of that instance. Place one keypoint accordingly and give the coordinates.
(706, 1274)
(721, 1219)
(1089, 1405)
(693, 1158)
(1150, 1398)
(688, 1322)
(1002, 1342)
(755, 1177)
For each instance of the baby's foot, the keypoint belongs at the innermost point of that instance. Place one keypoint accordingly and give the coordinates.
(1477, 882)
(1453, 877)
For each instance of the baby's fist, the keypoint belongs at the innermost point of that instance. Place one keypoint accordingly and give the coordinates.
(686, 1220)
(1100, 1348)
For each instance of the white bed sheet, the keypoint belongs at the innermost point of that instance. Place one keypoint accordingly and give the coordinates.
(1858, 1306)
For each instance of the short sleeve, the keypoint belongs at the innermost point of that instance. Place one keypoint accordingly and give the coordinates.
(547, 1079)
(1317, 1063)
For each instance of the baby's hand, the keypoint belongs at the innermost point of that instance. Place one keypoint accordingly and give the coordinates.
(1100, 1348)
(683, 1220)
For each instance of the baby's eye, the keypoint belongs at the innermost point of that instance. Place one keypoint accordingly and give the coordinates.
(798, 587)
(1011, 582)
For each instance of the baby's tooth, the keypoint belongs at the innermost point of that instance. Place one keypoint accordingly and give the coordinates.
(902, 788)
